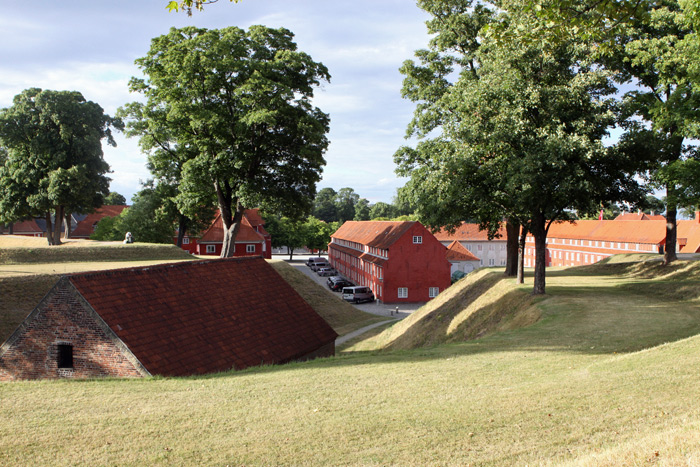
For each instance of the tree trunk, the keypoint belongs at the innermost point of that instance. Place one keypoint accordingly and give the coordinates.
(58, 225)
(540, 234)
(181, 230)
(521, 256)
(12, 229)
(68, 226)
(49, 228)
(671, 232)
(231, 228)
(291, 252)
(512, 229)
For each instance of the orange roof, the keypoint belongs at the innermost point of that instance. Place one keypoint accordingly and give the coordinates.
(470, 232)
(378, 234)
(85, 228)
(27, 227)
(690, 231)
(457, 252)
(639, 216)
(253, 216)
(246, 233)
(646, 231)
(185, 318)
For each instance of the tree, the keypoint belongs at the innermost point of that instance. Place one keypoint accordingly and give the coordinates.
(519, 130)
(324, 205)
(114, 199)
(54, 162)
(382, 210)
(318, 234)
(241, 101)
(362, 210)
(286, 232)
(346, 200)
(188, 5)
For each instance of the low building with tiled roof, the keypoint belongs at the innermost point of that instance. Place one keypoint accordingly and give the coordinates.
(399, 261)
(86, 227)
(491, 252)
(252, 238)
(188, 318)
(589, 241)
(639, 216)
(26, 228)
(461, 259)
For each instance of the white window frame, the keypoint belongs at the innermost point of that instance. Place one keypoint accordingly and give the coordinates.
(211, 249)
(433, 292)
(402, 292)
(417, 239)
(186, 241)
(250, 248)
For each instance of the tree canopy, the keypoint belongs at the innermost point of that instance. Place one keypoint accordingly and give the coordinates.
(508, 129)
(238, 103)
(54, 163)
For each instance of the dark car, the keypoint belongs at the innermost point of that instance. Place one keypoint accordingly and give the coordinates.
(336, 283)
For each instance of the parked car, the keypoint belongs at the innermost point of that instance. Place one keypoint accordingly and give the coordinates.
(327, 271)
(358, 294)
(339, 284)
(319, 263)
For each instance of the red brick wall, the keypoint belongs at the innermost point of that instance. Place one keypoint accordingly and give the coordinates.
(63, 318)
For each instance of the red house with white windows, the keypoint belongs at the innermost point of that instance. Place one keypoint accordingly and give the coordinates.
(252, 238)
(399, 261)
(87, 226)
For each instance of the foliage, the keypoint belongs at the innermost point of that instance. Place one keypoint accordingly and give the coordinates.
(54, 159)
(187, 5)
(324, 205)
(518, 132)
(362, 210)
(382, 210)
(239, 103)
(107, 229)
(114, 199)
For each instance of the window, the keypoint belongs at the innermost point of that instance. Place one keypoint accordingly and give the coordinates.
(403, 292)
(64, 356)
(186, 241)
(491, 262)
(478, 247)
(211, 248)
(433, 292)
(417, 239)
(491, 246)
(250, 248)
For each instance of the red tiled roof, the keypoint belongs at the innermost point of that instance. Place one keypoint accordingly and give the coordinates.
(85, 227)
(378, 234)
(469, 232)
(690, 231)
(253, 216)
(647, 231)
(359, 254)
(246, 233)
(205, 316)
(27, 227)
(457, 252)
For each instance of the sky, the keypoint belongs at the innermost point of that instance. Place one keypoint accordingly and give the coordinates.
(90, 46)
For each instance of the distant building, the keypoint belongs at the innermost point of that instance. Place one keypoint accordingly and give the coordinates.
(461, 259)
(399, 261)
(179, 319)
(489, 252)
(86, 227)
(27, 228)
(252, 238)
(589, 241)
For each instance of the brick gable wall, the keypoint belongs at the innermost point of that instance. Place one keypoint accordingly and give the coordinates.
(63, 317)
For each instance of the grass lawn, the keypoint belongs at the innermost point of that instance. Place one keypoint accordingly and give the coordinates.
(601, 371)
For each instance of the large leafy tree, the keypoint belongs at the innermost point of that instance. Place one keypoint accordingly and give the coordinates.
(54, 162)
(518, 132)
(324, 205)
(239, 102)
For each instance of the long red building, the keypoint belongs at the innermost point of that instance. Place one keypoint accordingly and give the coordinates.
(399, 261)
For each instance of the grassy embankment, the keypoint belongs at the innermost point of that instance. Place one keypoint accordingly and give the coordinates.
(603, 372)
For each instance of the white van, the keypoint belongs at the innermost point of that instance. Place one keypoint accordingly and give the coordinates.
(317, 263)
(358, 294)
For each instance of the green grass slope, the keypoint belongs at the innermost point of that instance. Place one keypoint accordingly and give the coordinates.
(607, 375)
(36, 250)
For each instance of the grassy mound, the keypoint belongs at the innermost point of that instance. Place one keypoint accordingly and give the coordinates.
(26, 250)
(481, 303)
(342, 316)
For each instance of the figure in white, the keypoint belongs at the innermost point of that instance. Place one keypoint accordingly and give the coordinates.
(129, 238)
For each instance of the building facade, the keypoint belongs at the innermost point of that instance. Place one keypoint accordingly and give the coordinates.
(252, 238)
(489, 252)
(399, 261)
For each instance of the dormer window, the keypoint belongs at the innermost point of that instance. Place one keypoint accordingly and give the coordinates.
(417, 239)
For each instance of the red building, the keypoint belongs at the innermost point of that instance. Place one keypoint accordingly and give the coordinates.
(589, 241)
(27, 228)
(252, 238)
(399, 261)
(86, 227)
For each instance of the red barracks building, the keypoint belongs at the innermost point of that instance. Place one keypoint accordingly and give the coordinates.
(399, 261)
